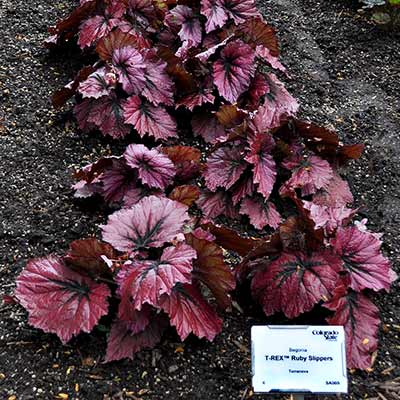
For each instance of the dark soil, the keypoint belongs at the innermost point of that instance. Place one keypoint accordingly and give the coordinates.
(346, 73)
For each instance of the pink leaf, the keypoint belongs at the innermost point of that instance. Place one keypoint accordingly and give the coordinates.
(150, 223)
(60, 300)
(130, 68)
(233, 70)
(260, 212)
(295, 282)
(264, 169)
(145, 281)
(336, 194)
(214, 204)
(244, 187)
(94, 29)
(154, 168)
(215, 13)
(147, 119)
(241, 10)
(196, 99)
(362, 259)
(98, 84)
(134, 195)
(190, 29)
(257, 90)
(190, 313)
(122, 343)
(224, 167)
(310, 175)
(105, 113)
(207, 126)
(360, 318)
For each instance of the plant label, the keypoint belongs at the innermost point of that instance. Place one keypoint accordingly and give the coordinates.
(298, 359)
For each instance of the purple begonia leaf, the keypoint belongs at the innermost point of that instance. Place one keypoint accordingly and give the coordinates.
(99, 83)
(278, 104)
(146, 281)
(142, 12)
(190, 29)
(242, 188)
(214, 204)
(148, 119)
(241, 10)
(257, 90)
(362, 259)
(94, 29)
(206, 125)
(336, 194)
(264, 168)
(215, 13)
(122, 343)
(224, 167)
(130, 67)
(186, 160)
(295, 282)
(328, 218)
(150, 223)
(85, 255)
(158, 87)
(189, 312)
(310, 175)
(273, 61)
(205, 55)
(154, 168)
(186, 194)
(260, 212)
(210, 267)
(360, 319)
(134, 195)
(60, 300)
(196, 99)
(233, 70)
(105, 113)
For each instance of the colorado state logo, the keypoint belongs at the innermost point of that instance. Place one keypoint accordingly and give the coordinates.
(329, 335)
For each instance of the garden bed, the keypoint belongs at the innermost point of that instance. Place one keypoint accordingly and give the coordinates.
(343, 71)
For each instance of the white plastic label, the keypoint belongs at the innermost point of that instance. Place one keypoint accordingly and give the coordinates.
(298, 359)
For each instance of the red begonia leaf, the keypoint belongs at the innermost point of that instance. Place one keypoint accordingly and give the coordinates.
(214, 204)
(86, 255)
(278, 104)
(117, 180)
(122, 343)
(186, 194)
(143, 12)
(230, 116)
(60, 300)
(186, 160)
(295, 282)
(210, 268)
(190, 313)
(233, 70)
(273, 61)
(118, 39)
(360, 318)
(260, 212)
(215, 13)
(98, 84)
(241, 10)
(145, 281)
(136, 194)
(257, 90)
(94, 29)
(190, 29)
(264, 168)
(310, 175)
(224, 167)
(158, 87)
(258, 33)
(196, 99)
(148, 119)
(130, 68)
(61, 96)
(154, 168)
(336, 194)
(206, 125)
(150, 223)
(362, 259)
(105, 113)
